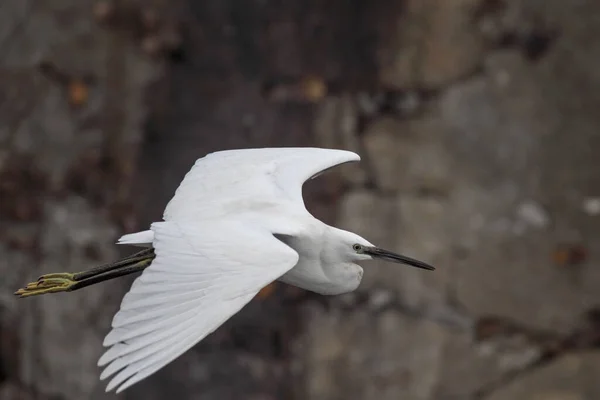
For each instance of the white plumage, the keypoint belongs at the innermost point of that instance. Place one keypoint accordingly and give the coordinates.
(237, 222)
(199, 279)
(214, 253)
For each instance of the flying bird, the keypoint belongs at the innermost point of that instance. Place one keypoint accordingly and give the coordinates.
(236, 223)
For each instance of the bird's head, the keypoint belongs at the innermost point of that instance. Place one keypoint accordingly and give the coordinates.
(357, 248)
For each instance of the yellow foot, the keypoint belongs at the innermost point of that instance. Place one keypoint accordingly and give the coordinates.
(50, 283)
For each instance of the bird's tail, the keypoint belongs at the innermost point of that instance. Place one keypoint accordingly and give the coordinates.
(70, 281)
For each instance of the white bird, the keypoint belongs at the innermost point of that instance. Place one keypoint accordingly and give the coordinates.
(236, 223)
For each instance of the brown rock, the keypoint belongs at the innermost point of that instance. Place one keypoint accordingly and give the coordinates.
(434, 43)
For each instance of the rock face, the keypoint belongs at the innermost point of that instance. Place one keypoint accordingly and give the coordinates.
(477, 124)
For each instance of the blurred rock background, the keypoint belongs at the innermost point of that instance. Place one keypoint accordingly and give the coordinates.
(479, 126)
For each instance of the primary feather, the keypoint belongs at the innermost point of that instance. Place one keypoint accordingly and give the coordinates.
(159, 319)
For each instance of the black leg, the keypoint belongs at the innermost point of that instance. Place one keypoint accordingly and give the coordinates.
(68, 282)
(115, 273)
(132, 259)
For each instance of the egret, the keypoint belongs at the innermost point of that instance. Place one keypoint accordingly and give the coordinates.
(236, 223)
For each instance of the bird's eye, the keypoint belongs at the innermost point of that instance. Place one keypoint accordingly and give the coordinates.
(357, 247)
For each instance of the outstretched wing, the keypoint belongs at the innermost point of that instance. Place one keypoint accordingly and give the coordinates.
(238, 179)
(201, 276)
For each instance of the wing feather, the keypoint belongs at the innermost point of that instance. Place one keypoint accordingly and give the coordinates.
(200, 277)
(162, 352)
(237, 179)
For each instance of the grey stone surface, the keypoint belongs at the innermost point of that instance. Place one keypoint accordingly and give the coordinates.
(487, 169)
(473, 186)
(572, 377)
(54, 226)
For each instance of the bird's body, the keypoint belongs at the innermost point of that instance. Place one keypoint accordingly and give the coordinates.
(237, 222)
(317, 270)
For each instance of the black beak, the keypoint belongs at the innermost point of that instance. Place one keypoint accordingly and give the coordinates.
(386, 255)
